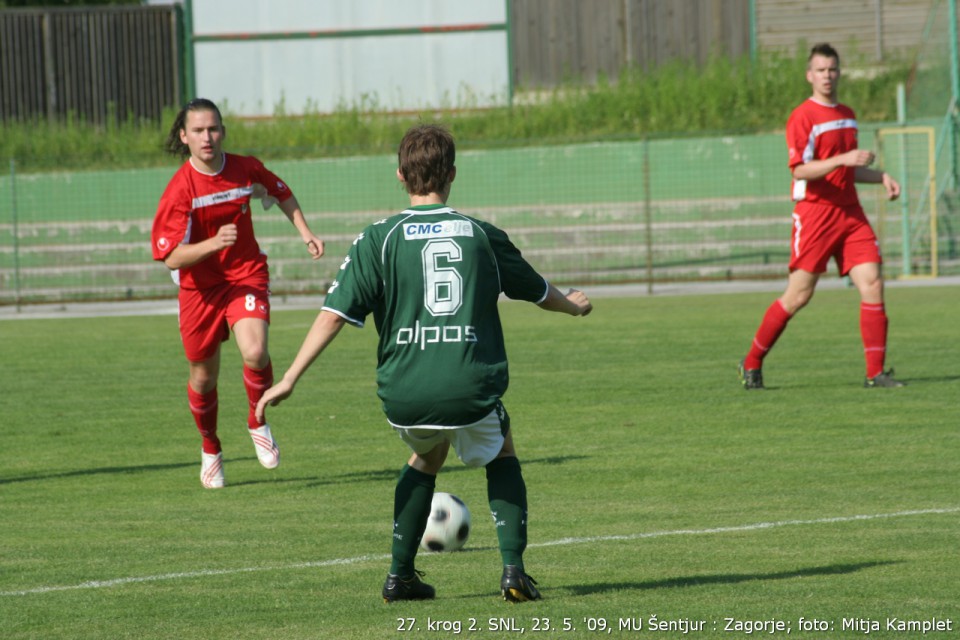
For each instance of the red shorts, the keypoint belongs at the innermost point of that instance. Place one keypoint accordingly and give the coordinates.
(207, 315)
(821, 232)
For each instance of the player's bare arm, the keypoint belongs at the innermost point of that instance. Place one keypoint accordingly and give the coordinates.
(325, 328)
(291, 209)
(574, 302)
(892, 186)
(187, 255)
(875, 176)
(816, 169)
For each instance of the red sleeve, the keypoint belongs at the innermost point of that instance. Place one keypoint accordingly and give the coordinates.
(172, 222)
(798, 137)
(276, 187)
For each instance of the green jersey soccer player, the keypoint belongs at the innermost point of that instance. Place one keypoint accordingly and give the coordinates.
(432, 277)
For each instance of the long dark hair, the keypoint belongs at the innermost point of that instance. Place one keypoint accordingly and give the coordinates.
(174, 144)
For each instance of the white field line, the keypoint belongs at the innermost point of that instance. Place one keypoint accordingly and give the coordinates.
(101, 584)
(186, 575)
(747, 527)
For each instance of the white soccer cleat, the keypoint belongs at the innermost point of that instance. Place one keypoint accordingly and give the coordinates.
(268, 453)
(211, 470)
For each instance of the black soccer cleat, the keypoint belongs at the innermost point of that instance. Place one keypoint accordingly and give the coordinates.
(412, 588)
(883, 379)
(516, 586)
(750, 378)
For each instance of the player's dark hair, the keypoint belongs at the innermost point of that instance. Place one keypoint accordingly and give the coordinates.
(825, 50)
(426, 159)
(174, 144)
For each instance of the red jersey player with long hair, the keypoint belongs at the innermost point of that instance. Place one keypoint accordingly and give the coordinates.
(828, 221)
(203, 232)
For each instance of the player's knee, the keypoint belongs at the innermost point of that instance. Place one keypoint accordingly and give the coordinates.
(256, 356)
(803, 298)
(424, 464)
(872, 290)
(793, 301)
(202, 380)
(432, 461)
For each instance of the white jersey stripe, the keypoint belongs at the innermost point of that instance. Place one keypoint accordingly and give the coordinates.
(833, 125)
(224, 196)
(354, 321)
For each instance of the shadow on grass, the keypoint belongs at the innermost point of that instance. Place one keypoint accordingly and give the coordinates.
(92, 472)
(918, 379)
(725, 578)
(79, 473)
(356, 476)
(697, 581)
(857, 383)
(453, 466)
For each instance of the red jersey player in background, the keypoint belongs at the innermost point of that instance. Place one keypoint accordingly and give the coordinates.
(828, 221)
(203, 232)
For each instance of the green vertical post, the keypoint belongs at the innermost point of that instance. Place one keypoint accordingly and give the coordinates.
(189, 59)
(510, 70)
(955, 90)
(905, 234)
(648, 213)
(954, 61)
(753, 30)
(16, 233)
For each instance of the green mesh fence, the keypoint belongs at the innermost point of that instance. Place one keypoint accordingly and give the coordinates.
(929, 216)
(908, 228)
(929, 84)
(663, 210)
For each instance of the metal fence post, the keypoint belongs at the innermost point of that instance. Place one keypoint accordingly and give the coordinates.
(647, 212)
(16, 233)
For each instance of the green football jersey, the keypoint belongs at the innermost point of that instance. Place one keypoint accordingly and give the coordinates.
(432, 277)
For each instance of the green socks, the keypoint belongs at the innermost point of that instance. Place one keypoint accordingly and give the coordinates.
(411, 507)
(508, 504)
(506, 492)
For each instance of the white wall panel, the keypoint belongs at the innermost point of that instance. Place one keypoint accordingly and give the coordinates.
(453, 69)
(230, 16)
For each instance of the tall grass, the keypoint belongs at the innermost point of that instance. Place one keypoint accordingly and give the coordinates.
(678, 98)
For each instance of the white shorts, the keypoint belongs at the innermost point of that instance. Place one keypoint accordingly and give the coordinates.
(476, 444)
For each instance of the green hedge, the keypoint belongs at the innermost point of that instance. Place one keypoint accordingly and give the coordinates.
(677, 99)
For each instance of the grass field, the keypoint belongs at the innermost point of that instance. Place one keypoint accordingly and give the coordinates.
(662, 495)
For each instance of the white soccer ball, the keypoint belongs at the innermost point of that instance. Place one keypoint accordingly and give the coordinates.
(448, 526)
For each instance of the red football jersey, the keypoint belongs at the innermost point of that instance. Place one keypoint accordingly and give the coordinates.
(196, 204)
(816, 131)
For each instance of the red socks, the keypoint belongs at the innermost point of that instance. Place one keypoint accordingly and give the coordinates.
(873, 330)
(256, 382)
(203, 406)
(774, 322)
